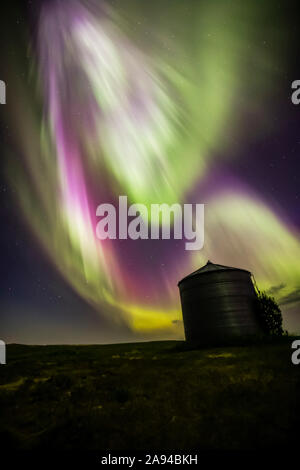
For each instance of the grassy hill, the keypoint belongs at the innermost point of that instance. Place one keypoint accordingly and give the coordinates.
(146, 396)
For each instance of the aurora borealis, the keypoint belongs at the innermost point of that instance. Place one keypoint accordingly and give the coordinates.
(162, 103)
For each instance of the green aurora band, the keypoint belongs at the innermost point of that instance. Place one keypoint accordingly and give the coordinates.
(117, 104)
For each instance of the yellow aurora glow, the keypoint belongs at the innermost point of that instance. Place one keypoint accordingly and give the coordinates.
(120, 118)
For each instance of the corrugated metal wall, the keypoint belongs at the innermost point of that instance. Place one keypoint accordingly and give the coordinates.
(218, 305)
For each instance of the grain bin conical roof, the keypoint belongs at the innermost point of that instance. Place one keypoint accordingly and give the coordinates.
(210, 267)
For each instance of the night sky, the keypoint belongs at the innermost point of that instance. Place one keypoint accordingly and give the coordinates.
(161, 101)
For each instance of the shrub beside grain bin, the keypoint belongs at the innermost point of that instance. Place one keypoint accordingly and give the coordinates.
(218, 303)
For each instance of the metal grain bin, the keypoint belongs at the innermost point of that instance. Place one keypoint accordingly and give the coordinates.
(218, 304)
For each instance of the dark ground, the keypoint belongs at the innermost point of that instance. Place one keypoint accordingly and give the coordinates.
(147, 396)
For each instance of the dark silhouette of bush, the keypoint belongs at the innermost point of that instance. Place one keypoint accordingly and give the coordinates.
(269, 314)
